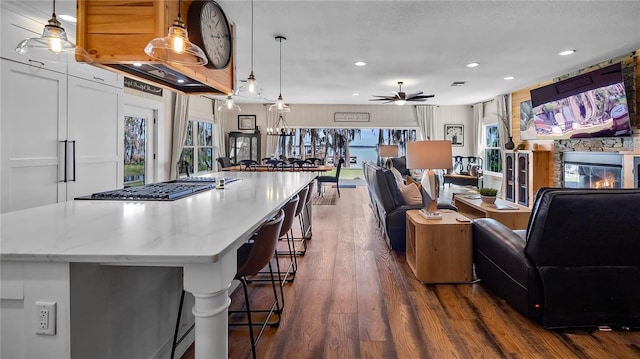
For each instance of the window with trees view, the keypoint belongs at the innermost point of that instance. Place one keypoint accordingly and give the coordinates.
(492, 153)
(198, 149)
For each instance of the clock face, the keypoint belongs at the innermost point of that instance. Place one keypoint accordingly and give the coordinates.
(215, 34)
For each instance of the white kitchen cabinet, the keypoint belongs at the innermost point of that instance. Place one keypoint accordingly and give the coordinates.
(95, 124)
(96, 74)
(62, 137)
(34, 119)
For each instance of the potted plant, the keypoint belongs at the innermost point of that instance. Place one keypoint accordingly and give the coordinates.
(488, 195)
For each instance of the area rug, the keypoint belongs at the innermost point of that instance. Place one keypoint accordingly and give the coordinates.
(330, 197)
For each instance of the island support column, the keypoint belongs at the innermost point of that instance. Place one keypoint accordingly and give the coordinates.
(209, 283)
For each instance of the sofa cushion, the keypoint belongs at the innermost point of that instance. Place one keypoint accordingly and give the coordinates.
(411, 194)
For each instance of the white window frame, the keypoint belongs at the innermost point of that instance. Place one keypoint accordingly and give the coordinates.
(194, 122)
(487, 148)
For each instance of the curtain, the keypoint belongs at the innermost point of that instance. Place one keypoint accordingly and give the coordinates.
(477, 131)
(218, 130)
(428, 119)
(272, 141)
(502, 114)
(180, 121)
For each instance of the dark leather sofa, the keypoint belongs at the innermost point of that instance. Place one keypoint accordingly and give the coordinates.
(576, 265)
(389, 206)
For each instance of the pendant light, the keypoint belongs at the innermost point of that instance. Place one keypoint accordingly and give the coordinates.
(250, 87)
(176, 47)
(280, 106)
(53, 45)
(229, 106)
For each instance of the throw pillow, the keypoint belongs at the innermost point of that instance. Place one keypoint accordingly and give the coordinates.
(411, 194)
(398, 176)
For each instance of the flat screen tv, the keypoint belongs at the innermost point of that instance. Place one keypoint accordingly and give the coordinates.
(589, 105)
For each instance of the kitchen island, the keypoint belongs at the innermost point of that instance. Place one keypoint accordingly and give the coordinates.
(199, 234)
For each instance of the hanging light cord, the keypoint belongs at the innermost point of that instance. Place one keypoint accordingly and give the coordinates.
(179, 10)
(280, 66)
(252, 36)
(54, 8)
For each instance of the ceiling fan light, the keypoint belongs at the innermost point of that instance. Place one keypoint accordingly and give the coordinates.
(400, 102)
(176, 47)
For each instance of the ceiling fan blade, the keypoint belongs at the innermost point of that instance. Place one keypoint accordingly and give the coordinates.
(417, 99)
(380, 96)
(414, 94)
(381, 99)
(425, 96)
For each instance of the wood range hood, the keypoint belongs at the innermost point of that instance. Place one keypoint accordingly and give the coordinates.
(115, 33)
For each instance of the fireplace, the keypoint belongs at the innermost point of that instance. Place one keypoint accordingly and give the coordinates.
(592, 170)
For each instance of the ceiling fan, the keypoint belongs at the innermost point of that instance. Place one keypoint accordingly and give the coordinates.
(400, 97)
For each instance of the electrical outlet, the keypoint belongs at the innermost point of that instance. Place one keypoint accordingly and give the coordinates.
(46, 318)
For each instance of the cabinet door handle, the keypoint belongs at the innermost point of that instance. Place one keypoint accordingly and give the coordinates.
(65, 159)
(37, 62)
(74, 160)
(98, 78)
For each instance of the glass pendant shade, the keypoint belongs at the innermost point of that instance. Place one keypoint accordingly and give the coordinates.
(53, 45)
(176, 47)
(280, 106)
(250, 88)
(229, 106)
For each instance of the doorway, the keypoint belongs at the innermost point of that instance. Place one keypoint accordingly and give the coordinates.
(138, 127)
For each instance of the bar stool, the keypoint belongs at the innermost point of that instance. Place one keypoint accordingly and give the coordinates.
(303, 239)
(289, 275)
(252, 257)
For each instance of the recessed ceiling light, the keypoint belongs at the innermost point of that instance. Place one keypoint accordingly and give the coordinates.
(137, 64)
(566, 52)
(473, 64)
(360, 63)
(458, 83)
(509, 77)
(356, 94)
(180, 81)
(67, 18)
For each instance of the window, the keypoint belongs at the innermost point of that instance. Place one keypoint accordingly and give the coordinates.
(197, 149)
(492, 153)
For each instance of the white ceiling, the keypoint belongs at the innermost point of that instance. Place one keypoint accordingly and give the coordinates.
(426, 44)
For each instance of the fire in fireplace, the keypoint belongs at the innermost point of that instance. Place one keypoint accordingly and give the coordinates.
(592, 170)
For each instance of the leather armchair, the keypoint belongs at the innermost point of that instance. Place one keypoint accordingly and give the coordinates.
(576, 265)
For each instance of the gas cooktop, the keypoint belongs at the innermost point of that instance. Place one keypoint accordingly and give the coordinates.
(163, 191)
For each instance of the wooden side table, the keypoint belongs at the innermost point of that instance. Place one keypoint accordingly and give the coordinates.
(439, 251)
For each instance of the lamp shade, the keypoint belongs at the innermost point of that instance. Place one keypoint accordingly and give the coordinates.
(388, 150)
(429, 155)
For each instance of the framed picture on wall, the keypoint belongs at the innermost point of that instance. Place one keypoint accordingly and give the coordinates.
(527, 125)
(455, 134)
(246, 122)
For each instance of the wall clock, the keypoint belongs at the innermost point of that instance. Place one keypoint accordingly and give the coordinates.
(208, 28)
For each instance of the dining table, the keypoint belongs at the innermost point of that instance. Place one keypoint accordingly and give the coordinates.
(285, 168)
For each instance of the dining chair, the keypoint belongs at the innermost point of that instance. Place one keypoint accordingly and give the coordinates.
(248, 165)
(330, 179)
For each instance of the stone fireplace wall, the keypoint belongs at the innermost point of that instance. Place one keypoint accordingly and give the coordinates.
(629, 73)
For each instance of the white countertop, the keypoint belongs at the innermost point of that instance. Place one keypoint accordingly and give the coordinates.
(196, 229)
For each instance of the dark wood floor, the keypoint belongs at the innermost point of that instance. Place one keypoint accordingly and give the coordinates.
(354, 298)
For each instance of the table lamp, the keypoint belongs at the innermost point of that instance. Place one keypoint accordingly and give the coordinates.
(429, 155)
(387, 151)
